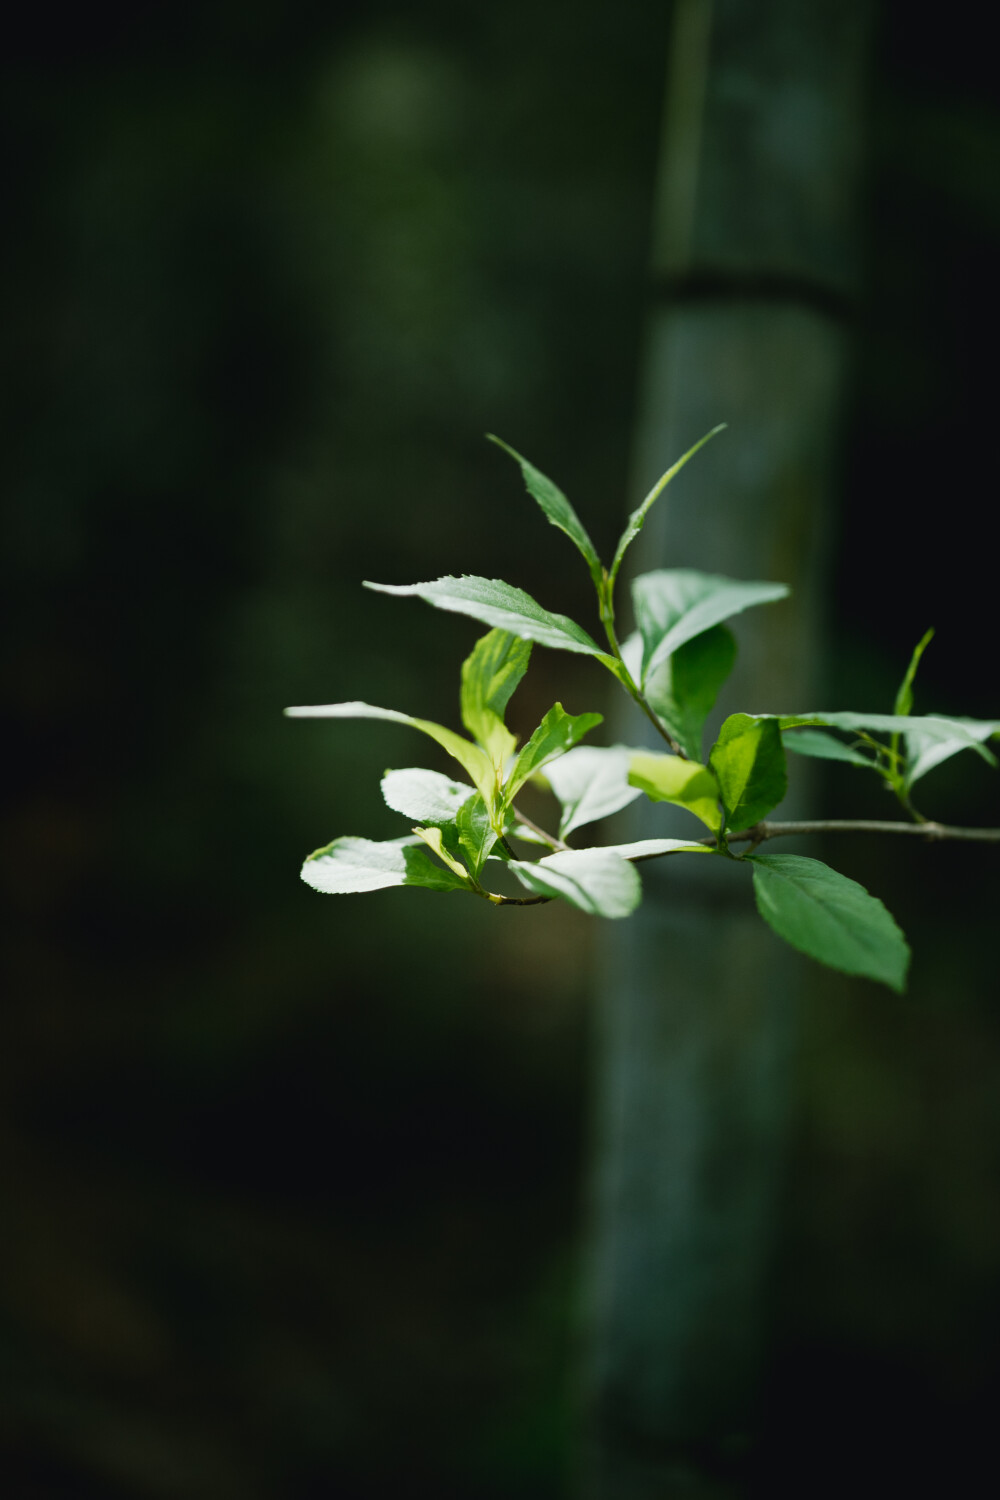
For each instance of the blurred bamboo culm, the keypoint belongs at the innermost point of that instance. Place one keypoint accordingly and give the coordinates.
(754, 269)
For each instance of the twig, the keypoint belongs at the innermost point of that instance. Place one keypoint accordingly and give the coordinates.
(547, 838)
(636, 692)
(762, 831)
(520, 900)
(929, 830)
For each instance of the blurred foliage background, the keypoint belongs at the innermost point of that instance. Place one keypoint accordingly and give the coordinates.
(293, 1187)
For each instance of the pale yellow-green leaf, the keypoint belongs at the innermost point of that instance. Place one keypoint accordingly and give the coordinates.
(686, 783)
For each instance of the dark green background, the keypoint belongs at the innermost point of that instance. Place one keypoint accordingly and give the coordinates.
(293, 1186)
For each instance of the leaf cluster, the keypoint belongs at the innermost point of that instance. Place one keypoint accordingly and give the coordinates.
(672, 665)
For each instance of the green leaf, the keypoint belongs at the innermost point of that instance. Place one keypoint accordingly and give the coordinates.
(654, 848)
(350, 864)
(674, 605)
(823, 746)
(469, 756)
(426, 796)
(476, 834)
(829, 917)
(686, 783)
(682, 691)
(637, 519)
(591, 783)
(556, 507)
(489, 676)
(434, 839)
(557, 733)
(930, 737)
(925, 750)
(748, 760)
(599, 883)
(904, 698)
(500, 604)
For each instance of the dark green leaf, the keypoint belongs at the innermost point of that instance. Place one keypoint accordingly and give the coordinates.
(674, 605)
(829, 917)
(682, 691)
(823, 746)
(350, 864)
(748, 760)
(500, 604)
(599, 883)
(556, 507)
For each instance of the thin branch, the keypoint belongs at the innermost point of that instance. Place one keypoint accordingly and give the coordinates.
(547, 838)
(661, 730)
(519, 900)
(637, 694)
(931, 831)
(762, 831)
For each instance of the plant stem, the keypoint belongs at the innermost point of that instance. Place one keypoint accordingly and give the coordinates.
(548, 838)
(762, 831)
(903, 797)
(520, 900)
(636, 692)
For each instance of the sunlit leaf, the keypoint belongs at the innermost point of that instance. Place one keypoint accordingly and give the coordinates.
(434, 838)
(829, 917)
(599, 883)
(556, 507)
(349, 864)
(591, 783)
(469, 756)
(748, 761)
(557, 733)
(925, 750)
(501, 605)
(425, 796)
(654, 848)
(489, 676)
(686, 783)
(674, 605)
(930, 738)
(476, 833)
